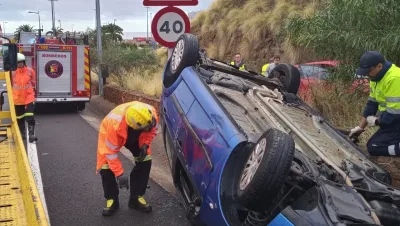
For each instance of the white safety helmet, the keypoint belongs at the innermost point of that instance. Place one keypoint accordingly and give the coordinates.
(20, 57)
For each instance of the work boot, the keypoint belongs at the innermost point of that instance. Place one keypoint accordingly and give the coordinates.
(111, 206)
(140, 204)
(32, 137)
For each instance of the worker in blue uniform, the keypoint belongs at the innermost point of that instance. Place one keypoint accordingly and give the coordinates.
(384, 98)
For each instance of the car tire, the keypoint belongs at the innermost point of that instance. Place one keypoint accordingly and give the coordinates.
(265, 170)
(184, 54)
(289, 75)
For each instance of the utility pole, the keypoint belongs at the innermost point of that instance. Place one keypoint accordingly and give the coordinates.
(53, 15)
(38, 13)
(147, 24)
(99, 46)
(60, 23)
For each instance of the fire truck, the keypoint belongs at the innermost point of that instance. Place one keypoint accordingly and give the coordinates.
(62, 67)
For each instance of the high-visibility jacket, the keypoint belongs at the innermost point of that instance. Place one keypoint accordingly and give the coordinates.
(23, 82)
(264, 69)
(113, 135)
(241, 65)
(386, 94)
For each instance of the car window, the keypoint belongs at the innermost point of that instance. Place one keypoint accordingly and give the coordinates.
(312, 71)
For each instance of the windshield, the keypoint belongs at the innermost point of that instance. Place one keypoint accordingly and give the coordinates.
(312, 71)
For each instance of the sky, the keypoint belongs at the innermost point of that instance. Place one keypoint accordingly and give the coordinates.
(80, 14)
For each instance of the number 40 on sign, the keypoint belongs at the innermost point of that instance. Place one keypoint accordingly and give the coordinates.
(168, 24)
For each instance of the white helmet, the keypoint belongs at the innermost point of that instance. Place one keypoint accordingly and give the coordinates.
(20, 57)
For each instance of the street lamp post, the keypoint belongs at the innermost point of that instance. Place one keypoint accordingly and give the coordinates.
(99, 46)
(38, 13)
(60, 23)
(4, 28)
(147, 24)
(53, 16)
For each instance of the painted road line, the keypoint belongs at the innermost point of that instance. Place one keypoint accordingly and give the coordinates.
(34, 163)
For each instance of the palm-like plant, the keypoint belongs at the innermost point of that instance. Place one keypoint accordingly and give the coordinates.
(113, 31)
(58, 31)
(24, 28)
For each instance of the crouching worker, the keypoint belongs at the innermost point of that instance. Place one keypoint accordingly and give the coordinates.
(132, 125)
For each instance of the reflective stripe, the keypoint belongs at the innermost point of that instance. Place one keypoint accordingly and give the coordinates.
(391, 150)
(28, 114)
(393, 99)
(147, 158)
(372, 99)
(393, 111)
(21, 116)
(111, 157)
(111, 146)
(105, 166)
(17, 87)
(115, 117)
(24, 115)
(382, 104)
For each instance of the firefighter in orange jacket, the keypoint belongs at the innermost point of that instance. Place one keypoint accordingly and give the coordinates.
(132, 125)
(23, 89)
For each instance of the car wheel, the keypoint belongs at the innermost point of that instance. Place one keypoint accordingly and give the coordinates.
(265, 170)
(185, 53)
(289, 75)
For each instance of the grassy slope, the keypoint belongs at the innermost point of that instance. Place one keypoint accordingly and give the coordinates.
(251, 27)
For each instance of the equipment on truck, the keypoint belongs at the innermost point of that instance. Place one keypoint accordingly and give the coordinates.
(62, 67)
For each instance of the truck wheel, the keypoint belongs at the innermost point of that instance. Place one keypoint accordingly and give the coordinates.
(184, 54)
(289, 75)
(80, 106)
(266, 169)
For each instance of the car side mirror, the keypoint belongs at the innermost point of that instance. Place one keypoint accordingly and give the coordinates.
(10, 56)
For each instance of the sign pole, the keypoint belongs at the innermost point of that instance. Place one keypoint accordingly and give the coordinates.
(170, 53)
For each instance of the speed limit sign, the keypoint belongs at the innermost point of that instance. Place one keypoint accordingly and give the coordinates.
(168, 24)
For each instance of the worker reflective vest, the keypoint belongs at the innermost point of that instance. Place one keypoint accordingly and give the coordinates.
(113, 135)
(387, 91)
(23, 82)
(241, 65)
(264, 69)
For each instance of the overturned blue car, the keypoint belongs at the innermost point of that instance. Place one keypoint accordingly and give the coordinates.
(243, 149)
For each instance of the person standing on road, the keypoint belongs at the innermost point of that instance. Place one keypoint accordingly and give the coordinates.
(385, 98)
(23, 82)
(271, 66)
(132, 125)
(238, 62)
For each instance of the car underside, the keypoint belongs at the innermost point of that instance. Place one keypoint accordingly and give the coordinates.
(328, 180)
(313, 182)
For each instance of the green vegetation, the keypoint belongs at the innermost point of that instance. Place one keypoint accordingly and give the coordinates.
(129, 66)
(24, 28)
(306, 30)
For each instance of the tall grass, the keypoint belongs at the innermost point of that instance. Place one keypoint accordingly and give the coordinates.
(251, 27)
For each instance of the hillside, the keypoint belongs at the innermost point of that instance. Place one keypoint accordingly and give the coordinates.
(253, 28)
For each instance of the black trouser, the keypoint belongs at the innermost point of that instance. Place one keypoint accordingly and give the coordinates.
(138, 180)
(385, 142)
(25, 112)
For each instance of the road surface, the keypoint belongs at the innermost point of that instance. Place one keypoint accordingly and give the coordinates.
(73, 192)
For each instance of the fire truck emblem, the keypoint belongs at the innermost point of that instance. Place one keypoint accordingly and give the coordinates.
(53, 69)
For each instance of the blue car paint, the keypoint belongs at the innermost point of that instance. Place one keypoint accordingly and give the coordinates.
(210, 123)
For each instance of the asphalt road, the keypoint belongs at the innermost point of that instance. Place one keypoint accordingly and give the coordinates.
(74, 195)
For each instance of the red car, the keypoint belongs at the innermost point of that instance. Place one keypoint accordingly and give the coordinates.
(318, 71)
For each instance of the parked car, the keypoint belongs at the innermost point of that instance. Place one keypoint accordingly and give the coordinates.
(245, 150)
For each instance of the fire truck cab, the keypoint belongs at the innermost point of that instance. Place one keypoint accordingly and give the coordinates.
(62, 68)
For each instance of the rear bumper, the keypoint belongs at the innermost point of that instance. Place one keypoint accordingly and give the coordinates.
(61, 99)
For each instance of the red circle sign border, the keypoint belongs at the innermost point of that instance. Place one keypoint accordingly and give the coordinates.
(159, 14)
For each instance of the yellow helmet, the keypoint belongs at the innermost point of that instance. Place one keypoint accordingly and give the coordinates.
(139, 116)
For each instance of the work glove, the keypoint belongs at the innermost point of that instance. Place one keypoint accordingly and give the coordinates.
(123, 182)
(372, 121)
(142, 153)
(355, 132)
